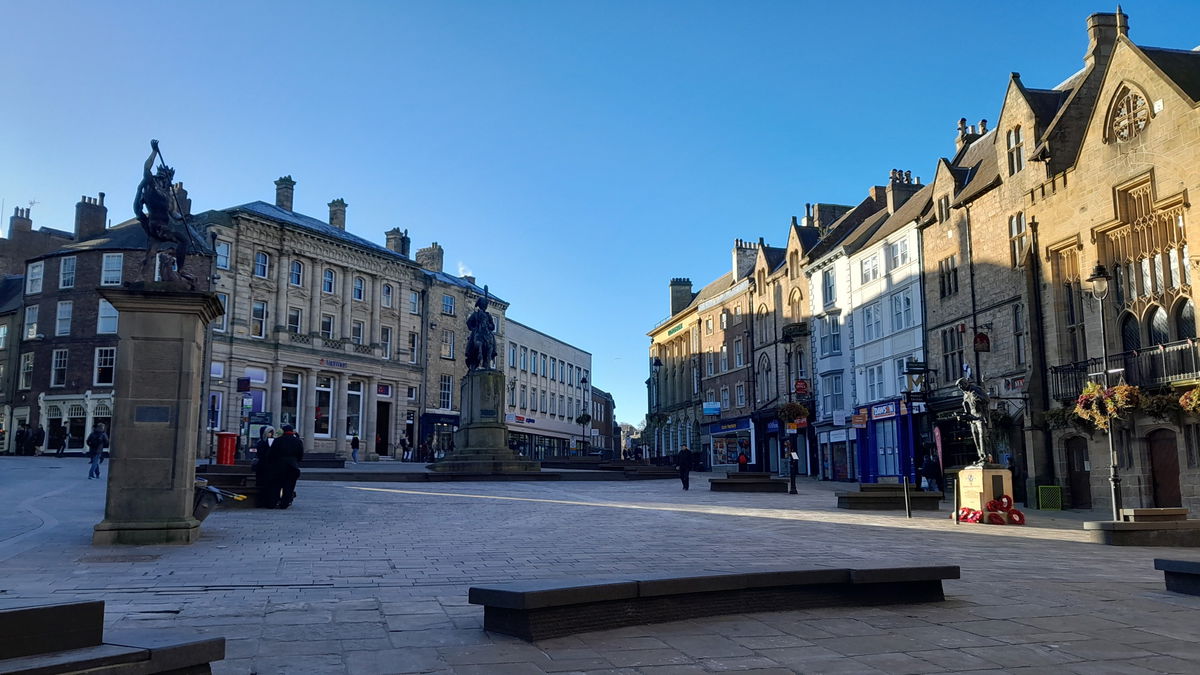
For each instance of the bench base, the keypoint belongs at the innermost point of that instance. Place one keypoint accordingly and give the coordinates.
(1179, 533)
(883, 500)
(1181, 576)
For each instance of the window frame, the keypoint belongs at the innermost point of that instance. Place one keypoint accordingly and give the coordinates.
(58, 371)
(262, 264)
(101, 315)
(63, 271)
(106, 270)
(111, 354)
(59, 317)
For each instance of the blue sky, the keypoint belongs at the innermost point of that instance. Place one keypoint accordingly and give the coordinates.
(573, 155)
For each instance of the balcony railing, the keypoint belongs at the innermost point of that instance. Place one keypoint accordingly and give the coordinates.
(333, 344)
(300, 338)
(363, 349)
(1149, 368)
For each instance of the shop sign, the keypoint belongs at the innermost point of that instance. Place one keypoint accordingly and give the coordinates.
(859, 421)
(384, 390)
(883, 411)
(334, 364)
(802, 423)
(773, 425)
(802, 387)
(792, 427)
(675, 330)
(712, 407)
(722, 427)
(839, 418)
(837, 435)
(520, 419)
(982, 342)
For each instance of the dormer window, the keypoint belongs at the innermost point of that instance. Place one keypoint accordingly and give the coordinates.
(1016, 150)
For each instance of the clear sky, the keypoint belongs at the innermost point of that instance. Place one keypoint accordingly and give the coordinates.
(574, 155)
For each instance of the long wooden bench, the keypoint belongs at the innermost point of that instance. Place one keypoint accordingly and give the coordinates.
(70, 638)
(1181, 576)
(543, 609)
(748, 481)
(888, 497)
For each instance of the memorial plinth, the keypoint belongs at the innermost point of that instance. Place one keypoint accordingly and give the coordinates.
(481, 442)
(157, 413)
(978, 485)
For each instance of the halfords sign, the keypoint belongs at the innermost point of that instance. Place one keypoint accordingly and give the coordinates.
(519, 419)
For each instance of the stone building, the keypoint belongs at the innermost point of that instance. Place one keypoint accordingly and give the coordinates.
(606, 434)
(23, 242)
(673, 388)
(549, 386)
(12, 297)
(334, 334)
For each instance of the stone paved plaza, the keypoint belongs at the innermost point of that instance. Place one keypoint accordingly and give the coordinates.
(373, 577)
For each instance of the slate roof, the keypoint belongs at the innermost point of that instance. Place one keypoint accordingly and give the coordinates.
(1045, 104)
(129, 236)
(843, 227)
(775, 256)
(12, 293)
(979, 158)
(809, 236)
(909, 211)
(1182, 66)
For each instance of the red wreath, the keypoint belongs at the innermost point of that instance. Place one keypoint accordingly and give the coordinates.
(992, 506)
(995, 519)
(969, 515)
(1015, 517)
(1006, 503)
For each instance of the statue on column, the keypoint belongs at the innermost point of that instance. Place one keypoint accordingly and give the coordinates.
(481, 338)
(158, 211)
(975, 412)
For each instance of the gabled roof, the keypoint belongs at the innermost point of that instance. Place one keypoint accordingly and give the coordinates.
(1182, 66)
(12, 293)
(808, 236)
(979, 159)
(843, 227)
(909, 211)
(1045, 104)
(775, 256)
(461, 283)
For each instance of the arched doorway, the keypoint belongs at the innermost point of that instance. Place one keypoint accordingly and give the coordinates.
(1164, 468)
(1079, 472)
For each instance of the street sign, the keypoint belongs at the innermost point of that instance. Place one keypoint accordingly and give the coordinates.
(982, 342)
(858, 420)
(801, 387)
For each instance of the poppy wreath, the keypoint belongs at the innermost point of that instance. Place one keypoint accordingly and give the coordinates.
(992, 506)
(1015, 517)
(969, 515)
(1006, 503)
(995, 519)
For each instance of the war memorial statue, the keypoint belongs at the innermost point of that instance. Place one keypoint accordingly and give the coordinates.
(975, 412)
(157, 209)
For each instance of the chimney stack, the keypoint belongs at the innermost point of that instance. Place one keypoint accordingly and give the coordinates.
(398, 241)
(182, 200)
(285, 189)
(967, 134)
(337, 213)
(431, 258)
(899, 188)
(20, 222)
(681, 294)
(1103, 29)
(90, 217)
(982, 127)
(469, 278)
(744, 255)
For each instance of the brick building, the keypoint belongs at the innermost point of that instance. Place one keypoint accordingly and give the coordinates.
(23, 242)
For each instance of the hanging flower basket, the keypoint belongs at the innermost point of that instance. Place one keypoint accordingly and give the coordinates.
(1100, 406)
(790, 412)
(1190, 401)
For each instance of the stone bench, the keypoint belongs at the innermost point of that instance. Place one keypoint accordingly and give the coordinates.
(1153, 515)
(748, 481)
(1181, 576)
(543, 609)
(70, 638)
(1184, 533)
(888, 497)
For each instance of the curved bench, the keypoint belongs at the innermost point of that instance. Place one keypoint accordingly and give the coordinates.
(543, 609)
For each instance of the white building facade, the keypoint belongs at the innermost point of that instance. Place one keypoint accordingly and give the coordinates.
(549, 387)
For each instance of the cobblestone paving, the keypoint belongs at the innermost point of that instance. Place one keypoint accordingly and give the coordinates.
(372, 578)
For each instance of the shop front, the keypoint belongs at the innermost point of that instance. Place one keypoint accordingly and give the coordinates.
(837, 452)
(891, 441)
(770, 442)
(437, 433)
(727, 440)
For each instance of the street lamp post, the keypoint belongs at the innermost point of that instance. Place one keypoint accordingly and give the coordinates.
(655, 368)
(1100, 279)
(585, 415)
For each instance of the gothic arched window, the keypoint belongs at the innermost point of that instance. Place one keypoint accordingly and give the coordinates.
(1159, 331)
(1185, 320)
(1131, 335)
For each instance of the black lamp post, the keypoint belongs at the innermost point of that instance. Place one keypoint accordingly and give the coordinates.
(1099, 280)
(655, 368)
(583, 383)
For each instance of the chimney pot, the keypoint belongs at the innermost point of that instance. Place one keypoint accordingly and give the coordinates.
(982, 127)
(90, 217)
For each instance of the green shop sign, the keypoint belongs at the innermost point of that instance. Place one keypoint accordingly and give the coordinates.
(675, 330)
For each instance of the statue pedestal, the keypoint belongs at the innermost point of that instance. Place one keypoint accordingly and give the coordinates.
(978, 485)
(157, 415)
(481, 444)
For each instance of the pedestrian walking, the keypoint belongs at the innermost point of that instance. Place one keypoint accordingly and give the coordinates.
(268, 491)
(931, 474)
(39, 440)
(743, 461)
(58, 440)
(97, 441)
(354, 449)
(21, 440)
(684, 461)
(286, 454)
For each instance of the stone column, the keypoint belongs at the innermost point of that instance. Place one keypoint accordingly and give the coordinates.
(314, 302)
(370, 408)
(281, 286)
(337, 420)
(160, 368)
(308, 424)
(275, 395)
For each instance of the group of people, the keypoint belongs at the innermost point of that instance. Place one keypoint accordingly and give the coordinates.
(277, 467)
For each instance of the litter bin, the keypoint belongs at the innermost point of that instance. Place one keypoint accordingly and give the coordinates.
(226, 447)
(205, 501)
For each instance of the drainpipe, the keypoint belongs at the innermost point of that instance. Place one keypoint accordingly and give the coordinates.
(1045, 468)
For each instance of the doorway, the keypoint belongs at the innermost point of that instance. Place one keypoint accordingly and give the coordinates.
(383, 427)
(1164, 468)
(1079, 470)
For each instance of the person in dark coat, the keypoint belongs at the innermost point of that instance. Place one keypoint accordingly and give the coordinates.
(684, 461)
(743, 461)
(97, 441)
(354, 444)
(268, 491)
(286, 454)
(931, 474)
(58, 440)
(39, 439)
(21, 439)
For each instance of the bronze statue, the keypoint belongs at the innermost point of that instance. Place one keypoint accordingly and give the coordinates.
(481, 339)
(975, 412)
(162, 220)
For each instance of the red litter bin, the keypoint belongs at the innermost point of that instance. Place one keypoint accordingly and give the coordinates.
(226, 447)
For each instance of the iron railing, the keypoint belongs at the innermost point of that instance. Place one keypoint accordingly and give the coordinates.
(1149, 368)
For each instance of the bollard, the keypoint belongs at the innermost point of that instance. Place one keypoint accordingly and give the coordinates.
(795, 468)
(907, 504)
(953, 484)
